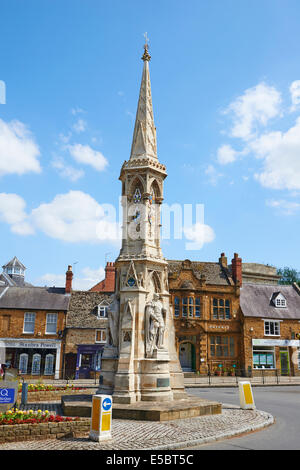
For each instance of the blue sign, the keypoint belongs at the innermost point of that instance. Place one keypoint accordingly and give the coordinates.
(106, 404)
(7, 396)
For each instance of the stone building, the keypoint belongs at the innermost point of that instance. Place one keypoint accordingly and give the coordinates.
(32, 321)
(271, 328)
(205, 300)
(86, 334)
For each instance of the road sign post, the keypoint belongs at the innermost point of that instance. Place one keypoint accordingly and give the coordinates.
(101, 418)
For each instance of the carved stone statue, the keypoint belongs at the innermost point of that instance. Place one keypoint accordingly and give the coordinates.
(113, 312)
(155, 321)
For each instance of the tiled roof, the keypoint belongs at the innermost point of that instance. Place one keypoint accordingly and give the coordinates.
(213, 272)
(33, 298)
(256, 301)
(82, 311)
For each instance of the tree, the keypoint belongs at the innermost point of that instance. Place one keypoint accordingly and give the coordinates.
(288, 275)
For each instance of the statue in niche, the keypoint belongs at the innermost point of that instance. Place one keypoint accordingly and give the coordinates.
(113, 312)
(155, 325)
(141, 279)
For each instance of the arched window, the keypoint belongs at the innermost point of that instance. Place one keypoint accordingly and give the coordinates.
(23, 363)
(49, 364)
(36, 364)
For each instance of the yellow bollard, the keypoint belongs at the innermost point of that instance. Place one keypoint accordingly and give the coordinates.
(246, 396)
(101, 418)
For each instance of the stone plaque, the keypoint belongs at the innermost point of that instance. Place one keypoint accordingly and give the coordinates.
(163, 382)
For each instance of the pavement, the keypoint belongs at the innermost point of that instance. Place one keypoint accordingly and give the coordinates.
(144, 435)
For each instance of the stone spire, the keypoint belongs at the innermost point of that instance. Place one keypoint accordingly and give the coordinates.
(144, 135)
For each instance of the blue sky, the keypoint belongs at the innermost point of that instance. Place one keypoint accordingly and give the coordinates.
(225, 78)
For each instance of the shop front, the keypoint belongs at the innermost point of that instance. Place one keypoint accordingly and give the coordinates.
(88, 360)
(276, 356)
(33, 358)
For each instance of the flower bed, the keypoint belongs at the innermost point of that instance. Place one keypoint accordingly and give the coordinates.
(17, 425)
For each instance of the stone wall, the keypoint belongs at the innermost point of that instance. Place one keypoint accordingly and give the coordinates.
(26, 432)
(55, 395)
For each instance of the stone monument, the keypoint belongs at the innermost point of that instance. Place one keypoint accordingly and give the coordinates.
(141, 362)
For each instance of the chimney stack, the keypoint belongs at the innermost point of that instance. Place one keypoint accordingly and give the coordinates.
(236, 267)
(223, 260)
(69, 278)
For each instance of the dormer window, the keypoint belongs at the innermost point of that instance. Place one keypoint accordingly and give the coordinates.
(102, 309)
(279, 300)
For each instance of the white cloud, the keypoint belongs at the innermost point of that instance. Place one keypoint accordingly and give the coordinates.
(213, 175)
(284, 207)
(255, 107)
(198, 234)
(12, 212)
(75, 217)
(226, 154)
(87, 279)
(18, 151)
(281, 154)
(67, 171)
(80, 126)
(295, 94)
(77, 110)
(85, 154)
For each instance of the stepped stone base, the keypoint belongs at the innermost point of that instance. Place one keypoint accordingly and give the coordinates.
(190, 407)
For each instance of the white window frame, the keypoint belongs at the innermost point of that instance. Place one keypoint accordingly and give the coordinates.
(38, 370)
(46, 371)
(32, 321)
(102, 330)
(280, 301)
(49, 316)
(25, 356)
(276, 325)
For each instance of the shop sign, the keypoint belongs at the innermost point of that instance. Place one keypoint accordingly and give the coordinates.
(276, 342)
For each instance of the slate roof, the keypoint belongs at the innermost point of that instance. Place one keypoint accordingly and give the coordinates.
(83, 309)
(33, 298)
(213, 272)
(256, 301)
(14, 262)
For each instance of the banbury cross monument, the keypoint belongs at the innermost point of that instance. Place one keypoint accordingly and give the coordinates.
(141, 362)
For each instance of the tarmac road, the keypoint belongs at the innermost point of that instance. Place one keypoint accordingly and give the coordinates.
(283, 402)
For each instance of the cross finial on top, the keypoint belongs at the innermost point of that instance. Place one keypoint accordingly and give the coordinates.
(146, 55)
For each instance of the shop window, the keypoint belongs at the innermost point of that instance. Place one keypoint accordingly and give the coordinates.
(263, 359)
(49, 364)
(29, 323)
(101, 336)
(299, 358)
(184, 306)
(97, 361)
(222, 346)
(176, 306)
(36, 364)
(51, 323)
(221, 309)
(23, 363)
(272, 328)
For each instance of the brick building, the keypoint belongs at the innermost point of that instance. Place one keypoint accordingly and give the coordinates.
(205, 300)
(32, 321)
(271, 328)
(107, 285)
